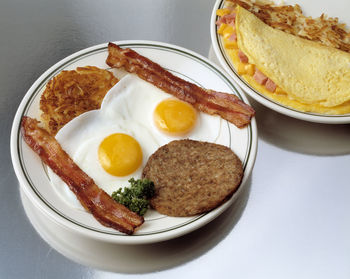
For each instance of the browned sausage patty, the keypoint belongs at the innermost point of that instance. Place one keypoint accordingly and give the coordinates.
(192, 177)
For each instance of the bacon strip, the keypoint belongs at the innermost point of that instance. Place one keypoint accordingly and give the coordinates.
(228, 106)
(107, 211)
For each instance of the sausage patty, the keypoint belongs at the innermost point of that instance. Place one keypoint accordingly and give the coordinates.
(192, 177)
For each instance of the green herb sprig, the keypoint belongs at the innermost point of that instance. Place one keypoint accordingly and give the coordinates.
(136, 197)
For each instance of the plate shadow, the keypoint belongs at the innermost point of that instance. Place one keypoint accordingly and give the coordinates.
(301, 136)
(139, 259)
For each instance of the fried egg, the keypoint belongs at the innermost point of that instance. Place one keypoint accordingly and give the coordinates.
(113, 144)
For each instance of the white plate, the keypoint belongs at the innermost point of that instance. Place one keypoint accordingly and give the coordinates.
(35, 182)
(311, 7)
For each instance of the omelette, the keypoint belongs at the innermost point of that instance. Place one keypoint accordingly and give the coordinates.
(304, 74)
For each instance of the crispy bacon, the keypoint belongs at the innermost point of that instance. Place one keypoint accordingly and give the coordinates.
(107, 211)
(228, 106)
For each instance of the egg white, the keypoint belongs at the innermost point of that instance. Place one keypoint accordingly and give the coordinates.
(137, 100)
(127, 108)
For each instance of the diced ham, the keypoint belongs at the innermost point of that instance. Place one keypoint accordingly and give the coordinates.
(242, 57)
(230, 19)
(233, 37)
(270, 85)
(227, 19)
(259, 77)
(219, 21)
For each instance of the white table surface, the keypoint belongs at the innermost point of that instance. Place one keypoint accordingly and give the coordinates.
(293, 221)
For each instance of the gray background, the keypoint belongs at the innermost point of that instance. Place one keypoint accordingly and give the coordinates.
(292, 222)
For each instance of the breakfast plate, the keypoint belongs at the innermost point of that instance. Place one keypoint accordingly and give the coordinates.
(35, 179)
(310, 8)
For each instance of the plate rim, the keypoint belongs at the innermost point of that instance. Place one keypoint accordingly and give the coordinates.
(118, 238)
(261, 98)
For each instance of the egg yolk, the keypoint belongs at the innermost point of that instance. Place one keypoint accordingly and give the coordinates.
(120, 154)
(175, 117)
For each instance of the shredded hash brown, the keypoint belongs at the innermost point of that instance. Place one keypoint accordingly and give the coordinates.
(72, 93)
(325, 30)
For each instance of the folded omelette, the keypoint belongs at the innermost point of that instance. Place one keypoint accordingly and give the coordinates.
(312, 77)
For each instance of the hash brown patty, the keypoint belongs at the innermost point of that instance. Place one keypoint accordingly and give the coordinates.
(72, 93)
(192, 177)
